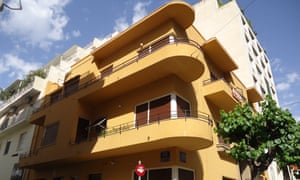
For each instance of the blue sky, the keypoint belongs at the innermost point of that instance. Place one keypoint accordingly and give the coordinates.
(43, 29)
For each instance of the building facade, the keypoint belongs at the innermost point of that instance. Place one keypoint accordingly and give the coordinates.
(225, 20)
(151, 93)
(16, 132)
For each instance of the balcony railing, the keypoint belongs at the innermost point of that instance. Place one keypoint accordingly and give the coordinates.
(156, 118)
(132, 125)
(34, 84)
(145, 51)
(16, 119)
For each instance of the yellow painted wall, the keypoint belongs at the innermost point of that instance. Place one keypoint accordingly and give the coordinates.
(116, 97)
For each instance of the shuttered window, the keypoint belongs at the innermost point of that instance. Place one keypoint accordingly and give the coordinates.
(160, 109)
(141, 114)
(183, 107)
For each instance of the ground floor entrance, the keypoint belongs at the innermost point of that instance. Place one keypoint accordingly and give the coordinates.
(167, 174)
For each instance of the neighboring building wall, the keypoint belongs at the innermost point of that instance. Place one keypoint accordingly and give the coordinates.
(15, 131)
(232, 29)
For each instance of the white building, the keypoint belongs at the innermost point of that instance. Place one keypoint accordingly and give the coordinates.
(224, 20)
(227, 22)
(15, 131)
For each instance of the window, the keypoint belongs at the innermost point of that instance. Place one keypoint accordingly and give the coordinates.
(183, 107)
(50, 134)
(55, 96)
(141, 115)
(165, 156)
(182, 157)
(166, 174)
(185, 174)
(71, 86)
(21, 143)
(82, 130)
(160, 109)
(4, 125)
(156, 174)
(6, 150)
(95, 176)
(17, 173)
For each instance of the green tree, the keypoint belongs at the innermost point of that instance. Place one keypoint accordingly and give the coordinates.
(260, 138)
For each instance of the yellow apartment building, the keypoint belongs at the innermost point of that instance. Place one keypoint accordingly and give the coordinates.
(152, 93)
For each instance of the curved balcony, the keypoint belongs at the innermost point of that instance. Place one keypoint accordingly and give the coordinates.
(190, 132)
(222, 94)
(169, 56)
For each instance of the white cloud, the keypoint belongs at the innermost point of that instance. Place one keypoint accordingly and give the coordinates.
(16, 67)
(293, 77)
(76, 33)
(289, 79)
(121, 24)
(139, 11)
(40, 23)
(277, 65)
(283, 86)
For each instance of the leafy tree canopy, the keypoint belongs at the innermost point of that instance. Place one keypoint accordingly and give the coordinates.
(260, 138)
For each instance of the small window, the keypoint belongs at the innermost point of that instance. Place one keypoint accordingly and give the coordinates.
(165, 156)
(7, 147)
(182, 157)
(50, 134)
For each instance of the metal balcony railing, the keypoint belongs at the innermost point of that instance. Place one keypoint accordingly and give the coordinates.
(133, 125)
(156, 118)
(145, 51)
(16, 118)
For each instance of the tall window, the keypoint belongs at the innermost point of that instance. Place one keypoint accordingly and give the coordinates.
(50, 134)
(160, 109)
(82, 130)
(183, 107)
(7, 146)
(21, 143)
